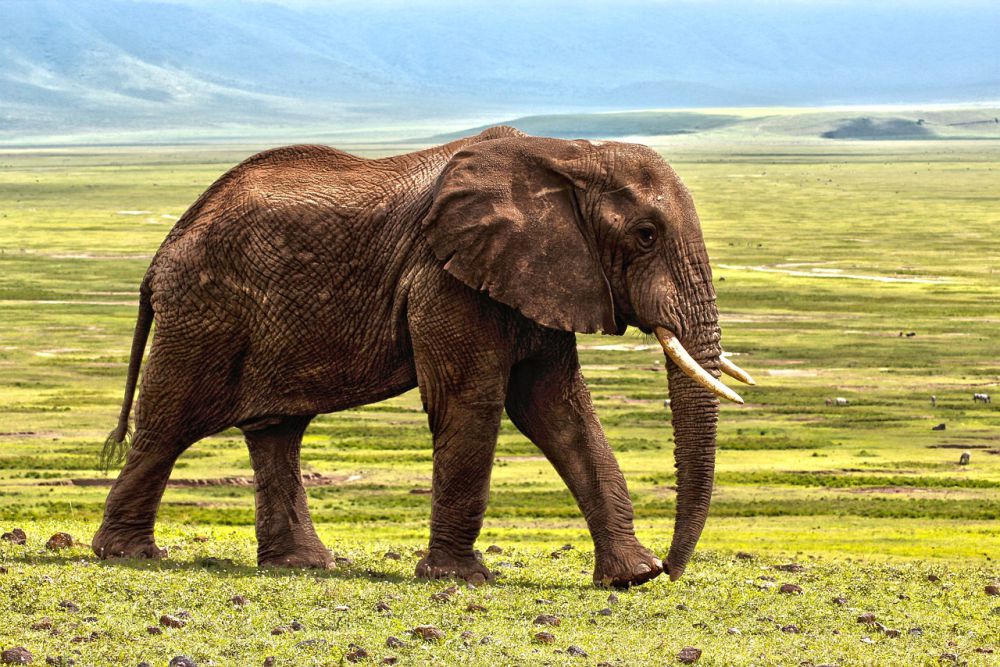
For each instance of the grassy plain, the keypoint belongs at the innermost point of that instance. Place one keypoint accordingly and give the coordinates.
(825, 253)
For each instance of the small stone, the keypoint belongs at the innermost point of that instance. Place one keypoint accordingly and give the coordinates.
(916, 632)
(983, 649)
(613, 599)
(169, 621)
(44, 623)
(556, 554)
(933, 578)
(790, 589)
(576, 651)
(154, 630)
(392, 555)
(867, 640)
(441, 596)
(17, 655)
(840, 601)
(790, 567)
(343, 561)
(390, 660)
(281, 630)
(59, 541)
(542, 601)
(144, 664)
(394, 642)
(59, 661)
(428, 633)
(545, 638)
(486, 640)
(467, 635)
(683, 607)
(790, 629)
(356, 653)
(743, 555)
(494, 549)
(186, 615)
(566, 547)
(16, 536)
(734, 631)
(68, 606)
(892, 633)
(689, 655)
(182, 661)
(948, 657)
(3, 569)
(269, 661)
(342, 608)
(200, 538)
(383, 606)
(547, 619)
(867, 618)
(239, 600)
(477, 608)
(604, 612)
(992, 590)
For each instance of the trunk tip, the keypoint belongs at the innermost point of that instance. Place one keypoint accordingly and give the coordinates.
(674, 572)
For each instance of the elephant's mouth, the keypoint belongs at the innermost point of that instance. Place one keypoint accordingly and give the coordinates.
(672, 348)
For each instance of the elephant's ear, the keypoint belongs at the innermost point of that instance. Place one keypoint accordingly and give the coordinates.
(505, 221)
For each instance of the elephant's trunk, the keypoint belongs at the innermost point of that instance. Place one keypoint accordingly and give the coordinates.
(695, 410)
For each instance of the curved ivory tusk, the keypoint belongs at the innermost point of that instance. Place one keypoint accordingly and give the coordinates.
(734, 371)
(673, 349)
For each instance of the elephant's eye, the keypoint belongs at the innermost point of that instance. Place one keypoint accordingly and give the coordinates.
(645, 234)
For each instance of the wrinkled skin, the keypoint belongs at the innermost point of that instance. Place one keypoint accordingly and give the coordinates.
(307, 281)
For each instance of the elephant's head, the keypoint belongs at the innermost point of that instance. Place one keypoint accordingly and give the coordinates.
(588, 237)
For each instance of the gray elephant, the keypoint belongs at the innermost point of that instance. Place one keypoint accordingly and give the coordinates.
(307, 281)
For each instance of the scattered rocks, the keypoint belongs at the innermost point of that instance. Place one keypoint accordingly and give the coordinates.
(428, 633)
(790, 629)
(734, 631)
(3, 569)
(743, 555)
(394, 642)
(867, 618)
(17, 655)
(67, 605)
(983, 649)
(390, 660)
(382, 606)
(542, 601)
(59, 661)
(356, 653)
(494, 549)
(689, 655)
(916, 632)
(604, 612)
(790, 567)
(182, 661)
(992, 590)
(613, 599)
(545, 638)
(477, 608)
(16, 536)
(59, 541)
(342, 608)
(200, 538)
(269, 661)
(946, 658)
(343, 561)
(892, 633)
(392, 555)
(169, 621)
(239, 600)
(154, 630)
(547, 619)
(576, 651)
(281, 630)
(683, 607)
(933, 578)
(839, 601)
(790, 589)
(44, 623)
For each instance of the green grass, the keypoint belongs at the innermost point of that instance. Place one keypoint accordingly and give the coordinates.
(867, 495)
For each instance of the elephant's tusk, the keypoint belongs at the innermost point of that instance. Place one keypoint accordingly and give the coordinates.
(673, 349)
(734, 371)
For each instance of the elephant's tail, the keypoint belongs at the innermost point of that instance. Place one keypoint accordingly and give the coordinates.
(119, 440)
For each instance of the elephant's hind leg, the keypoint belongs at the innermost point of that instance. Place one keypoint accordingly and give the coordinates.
(285, 533)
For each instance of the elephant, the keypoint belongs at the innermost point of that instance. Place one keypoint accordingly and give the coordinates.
(307, 280)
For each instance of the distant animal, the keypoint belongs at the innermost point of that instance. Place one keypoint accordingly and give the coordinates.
(939, 427)
(963, 460)
(666, 403)
(841, 401)
(981, 398)
(307, 280)
(828, 402)
(933, 401)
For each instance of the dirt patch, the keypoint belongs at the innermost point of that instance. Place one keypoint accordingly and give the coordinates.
(835, 273)
(27, 434)
(308, 479)
(957, 446)
(893, 489)
(525, 457)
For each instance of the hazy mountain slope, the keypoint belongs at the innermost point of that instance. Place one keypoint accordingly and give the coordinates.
(77, 65)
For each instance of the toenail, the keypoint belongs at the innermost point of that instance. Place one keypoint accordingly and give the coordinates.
(642, 569)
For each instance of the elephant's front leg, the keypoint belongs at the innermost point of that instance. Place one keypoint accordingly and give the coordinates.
(549, 402)
(285, 533)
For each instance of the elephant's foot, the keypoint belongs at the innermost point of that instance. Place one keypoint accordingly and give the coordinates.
(626, 565)
(313, 556)
(109, 543)
(438, 564)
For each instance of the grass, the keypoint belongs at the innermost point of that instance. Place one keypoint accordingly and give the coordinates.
(823, 256)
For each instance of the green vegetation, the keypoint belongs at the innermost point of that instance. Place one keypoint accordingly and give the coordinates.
(825, 260)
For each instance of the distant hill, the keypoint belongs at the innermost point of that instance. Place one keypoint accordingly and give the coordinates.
(185, 67)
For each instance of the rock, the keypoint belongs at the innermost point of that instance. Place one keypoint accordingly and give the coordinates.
(477, 608)
(269, 661)
(689, 655)
(239, 600)
(68, 606)
(790, 589)
(734, 631)
(867, 640)
(939, 427)
(790, 567)
(343, 561)
(992, 589)
(382, 606)
(59, 541)
(441, 596)
(428, 633)
(342, 608)
(394, 642)
(186, 615)
(557, 554)
(3, 569)
(542, 601)
(390, 660)
(892, 633)
(948, 657)
(494, 549)
(744, 555)
(144, 664)
(604, 612)
(169, 621)
(791, 629)
(916, 632)
(16, 536)
(486, 640)
(356, 653)
(933, 578)
(59, 661)
(182, 661)
(200, 538)
(983, 649)
(613, 599)
(467, 636)
(547, 619)
(154, 630)
(683, 607)
(566, 547)
(545, 638)
(867, 618)
(840, 601)
(44, 623)
(392, 555)
(17, 655)
(576, 651)
(281, 630)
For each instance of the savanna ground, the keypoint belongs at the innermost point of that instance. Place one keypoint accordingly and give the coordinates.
(824, 254)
